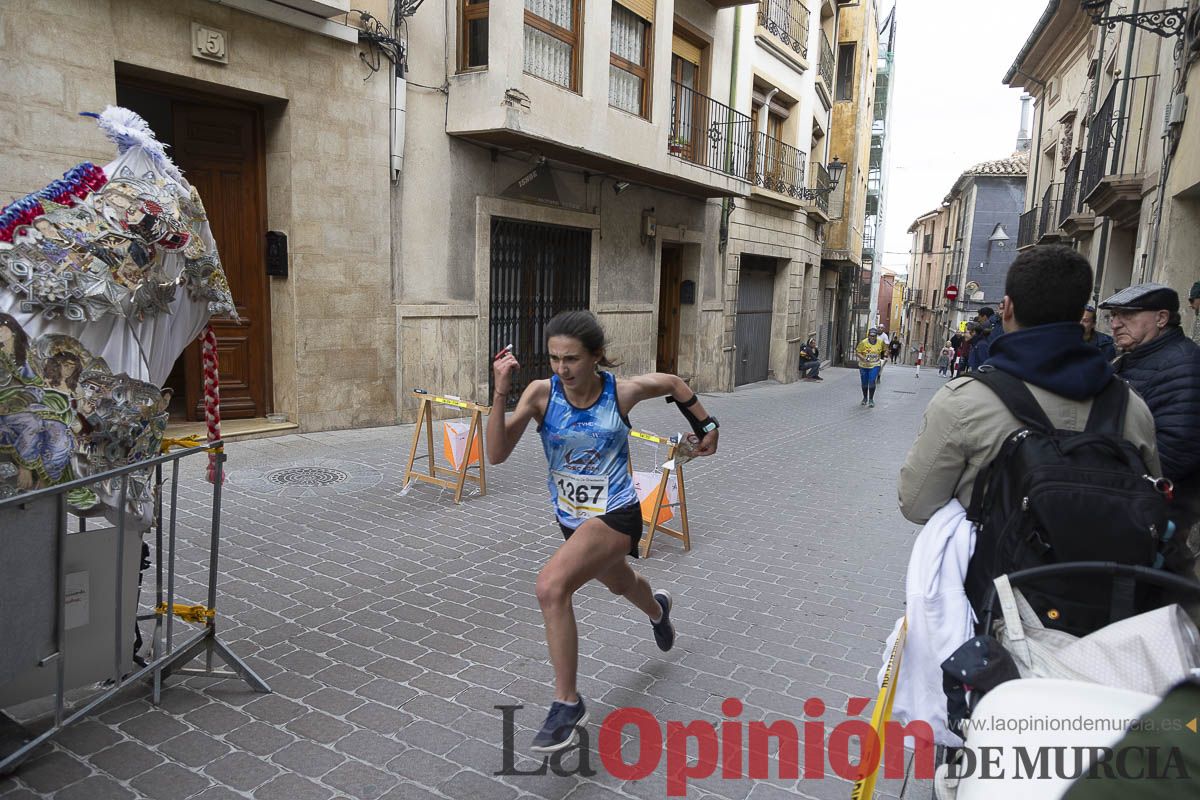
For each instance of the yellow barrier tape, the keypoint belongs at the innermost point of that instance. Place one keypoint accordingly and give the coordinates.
(864, 789)
(187, 441)
(197, 613)
(448, 402)
(650, 437)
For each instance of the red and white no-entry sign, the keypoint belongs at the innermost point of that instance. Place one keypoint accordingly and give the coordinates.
(951, 292)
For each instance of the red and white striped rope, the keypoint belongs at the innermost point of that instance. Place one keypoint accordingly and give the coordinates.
(212, 395)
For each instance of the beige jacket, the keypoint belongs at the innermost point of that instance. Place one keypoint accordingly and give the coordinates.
(964, 428)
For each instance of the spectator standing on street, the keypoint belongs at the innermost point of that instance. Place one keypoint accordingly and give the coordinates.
(966, 423)
(1163, 366)
(894, 347)
(810, 361)
(990, 330)
(920, 359)
(1094, 337)
(870, 354)
(964, 349)
(944, 359)
(887, 346)
(583, 418)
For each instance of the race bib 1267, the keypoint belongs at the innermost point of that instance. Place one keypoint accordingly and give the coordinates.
(581, 496)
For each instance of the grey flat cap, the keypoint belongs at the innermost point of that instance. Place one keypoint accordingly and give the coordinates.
(1145, 297)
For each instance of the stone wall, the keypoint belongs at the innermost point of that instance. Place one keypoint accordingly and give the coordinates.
(327, 167)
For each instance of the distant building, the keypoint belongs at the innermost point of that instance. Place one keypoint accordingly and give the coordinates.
(968, 242)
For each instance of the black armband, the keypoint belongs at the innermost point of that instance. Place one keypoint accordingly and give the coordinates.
(700, 427)
(686, 404)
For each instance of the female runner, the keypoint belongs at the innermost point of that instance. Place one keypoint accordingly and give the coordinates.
(582, 414)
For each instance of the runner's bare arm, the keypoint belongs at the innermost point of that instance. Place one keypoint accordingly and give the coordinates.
(505, 430)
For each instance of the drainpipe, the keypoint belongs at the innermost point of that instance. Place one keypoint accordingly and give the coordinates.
(727, 203)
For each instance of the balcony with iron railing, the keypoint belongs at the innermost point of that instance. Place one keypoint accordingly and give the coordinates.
(825, 67)
(1027, 229)
(542, 99)
(778, 167)
(1118, 137)
(709, 133)
(787, 21)
(1048, 232)
(1073, 217)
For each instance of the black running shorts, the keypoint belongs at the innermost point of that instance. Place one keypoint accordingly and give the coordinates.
(626, 520)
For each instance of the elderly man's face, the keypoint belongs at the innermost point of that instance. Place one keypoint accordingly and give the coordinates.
(1133, 328)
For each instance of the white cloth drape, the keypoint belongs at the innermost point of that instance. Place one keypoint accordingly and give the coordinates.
(939, 617)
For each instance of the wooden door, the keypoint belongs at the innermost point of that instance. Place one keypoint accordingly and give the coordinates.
(668, 310)
(220, 150)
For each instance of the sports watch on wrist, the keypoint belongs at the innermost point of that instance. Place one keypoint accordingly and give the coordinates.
(709, 425)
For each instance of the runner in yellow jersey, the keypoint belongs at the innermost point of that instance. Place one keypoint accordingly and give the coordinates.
(870, 355)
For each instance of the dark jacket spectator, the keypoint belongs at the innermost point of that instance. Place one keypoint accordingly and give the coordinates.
(1163, 366)
(1102, 341)
(981, 348)
(810, 361)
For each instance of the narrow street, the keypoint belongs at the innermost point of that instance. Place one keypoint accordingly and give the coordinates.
(389, 626)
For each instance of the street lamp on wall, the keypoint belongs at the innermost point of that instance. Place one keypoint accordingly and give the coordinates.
(1166, 22)
(835, 169)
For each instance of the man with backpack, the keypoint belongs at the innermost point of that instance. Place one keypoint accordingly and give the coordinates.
(1003, 442)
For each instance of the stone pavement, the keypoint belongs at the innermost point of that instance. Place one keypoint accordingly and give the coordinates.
(390, 626)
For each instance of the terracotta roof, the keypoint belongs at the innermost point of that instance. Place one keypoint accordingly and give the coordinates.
(1016, 164)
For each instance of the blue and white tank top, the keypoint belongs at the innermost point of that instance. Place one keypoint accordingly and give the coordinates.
(588, 453)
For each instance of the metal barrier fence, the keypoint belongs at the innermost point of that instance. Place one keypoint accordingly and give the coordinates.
(38, 636)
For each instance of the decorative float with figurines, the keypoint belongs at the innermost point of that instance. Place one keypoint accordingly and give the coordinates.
(105, 277)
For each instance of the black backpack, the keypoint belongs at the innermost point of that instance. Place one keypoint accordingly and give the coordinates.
(1055, 496)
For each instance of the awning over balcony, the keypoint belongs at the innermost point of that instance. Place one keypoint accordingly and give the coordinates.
(695, 181)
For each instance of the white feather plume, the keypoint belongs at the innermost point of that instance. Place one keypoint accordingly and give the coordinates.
(127, 130)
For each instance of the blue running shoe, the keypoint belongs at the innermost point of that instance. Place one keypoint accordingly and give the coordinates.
(664, 631)
(559, 730)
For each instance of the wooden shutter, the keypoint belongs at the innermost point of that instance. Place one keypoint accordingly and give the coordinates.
(643, 8)
(685, 49)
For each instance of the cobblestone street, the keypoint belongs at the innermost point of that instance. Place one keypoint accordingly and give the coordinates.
(390, 626)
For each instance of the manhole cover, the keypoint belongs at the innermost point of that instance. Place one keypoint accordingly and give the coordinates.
(312, 477)
(307, 476)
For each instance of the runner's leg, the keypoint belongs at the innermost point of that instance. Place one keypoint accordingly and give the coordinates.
(621, 579)
(592, 550)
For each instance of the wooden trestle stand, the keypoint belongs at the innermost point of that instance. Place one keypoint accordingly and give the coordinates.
(474, 433)
(659, 500)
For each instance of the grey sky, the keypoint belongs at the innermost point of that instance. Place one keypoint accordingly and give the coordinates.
(949, 108)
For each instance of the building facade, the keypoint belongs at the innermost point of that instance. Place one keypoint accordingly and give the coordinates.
(779, 296)
(855, 51)
(397, 199)
(248, 101)
(985, 203)
(1116, 152)
(966, 243)
(879, 164)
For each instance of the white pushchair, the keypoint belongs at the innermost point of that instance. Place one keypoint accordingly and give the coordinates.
(1074, 696)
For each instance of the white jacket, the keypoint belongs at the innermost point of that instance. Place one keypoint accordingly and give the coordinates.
(939, 618)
